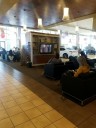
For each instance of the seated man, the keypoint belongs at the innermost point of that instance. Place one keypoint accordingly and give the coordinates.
(10, 55)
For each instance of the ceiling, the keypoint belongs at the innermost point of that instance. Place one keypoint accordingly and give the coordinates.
(26, 12)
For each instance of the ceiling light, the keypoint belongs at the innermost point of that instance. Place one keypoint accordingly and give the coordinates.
(40, 23)
(24, 28)
(77, 28)
(66, 13)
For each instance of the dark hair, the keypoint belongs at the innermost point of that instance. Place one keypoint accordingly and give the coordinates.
(83, 54)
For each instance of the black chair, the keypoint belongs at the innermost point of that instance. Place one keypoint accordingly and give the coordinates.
(91, 62)
(54, 70)
(81, 89)
(70, 65)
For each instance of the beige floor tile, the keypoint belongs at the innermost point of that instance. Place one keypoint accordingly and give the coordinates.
(17, 95)
(23, 89)
(34, 112)
(26, 125)
(1, 107)
(26, 90)
(19, 118)
(17, 84)
(3, 114)
(44, 108)
(51, 126)
(5, 82)
(41, 121)
(6, 98)
(14, 81)
(53, 115)
(14, 110)
(4, 94)
(26, 106)
(3, 90)
(22, 100)
(1, 87)
(9, 104)
(64, 123)
(6, 123)
(38, 102)
(28, 93)
(13, 92)
(11, 88)
(32, 97)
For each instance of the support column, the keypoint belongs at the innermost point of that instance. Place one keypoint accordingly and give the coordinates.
(19, 37)
(94, 23)
(77, 40)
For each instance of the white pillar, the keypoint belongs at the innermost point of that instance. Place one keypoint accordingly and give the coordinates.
(19, 37)
(77, 41)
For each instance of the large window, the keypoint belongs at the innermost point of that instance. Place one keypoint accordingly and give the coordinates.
(84, 41)
(8, 35)
(68, 40)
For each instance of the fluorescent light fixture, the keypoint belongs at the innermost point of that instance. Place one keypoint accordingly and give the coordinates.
(24, 28)
(39, 23)
(66, 13)
(77, 28)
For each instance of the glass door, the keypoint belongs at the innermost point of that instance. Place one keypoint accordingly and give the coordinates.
(2, 44)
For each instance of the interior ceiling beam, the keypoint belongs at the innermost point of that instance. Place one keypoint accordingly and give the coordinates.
(5, 5)
(72, 20)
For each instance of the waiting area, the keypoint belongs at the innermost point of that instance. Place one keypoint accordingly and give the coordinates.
(45, 82)
(23, 103)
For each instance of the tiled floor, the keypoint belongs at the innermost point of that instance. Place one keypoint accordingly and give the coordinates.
(25, 103)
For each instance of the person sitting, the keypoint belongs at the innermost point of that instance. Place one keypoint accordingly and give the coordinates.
(55, 60)
(10, 56)
(83, 65)
(73, 59)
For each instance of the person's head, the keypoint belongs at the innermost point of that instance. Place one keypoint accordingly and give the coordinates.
(57, 56)
(82, 53)
(82, 59)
